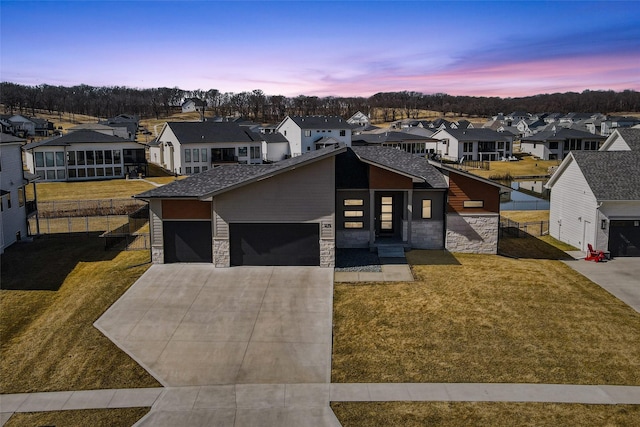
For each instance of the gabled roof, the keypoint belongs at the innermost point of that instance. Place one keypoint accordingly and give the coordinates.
(561, 135)
(320, 122)
(400, 161)
(199, 132)
(7, 138)
(476, 134)
(77, 137)
(225, 178)
(274, 138)
(611, 175)
(196, 101)
(90, 126)
(630, 136)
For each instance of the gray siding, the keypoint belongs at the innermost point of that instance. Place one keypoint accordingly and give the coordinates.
(437, 204)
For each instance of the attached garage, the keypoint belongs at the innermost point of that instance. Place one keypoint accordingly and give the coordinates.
(295, 244)
(624, 238)
(187, 241)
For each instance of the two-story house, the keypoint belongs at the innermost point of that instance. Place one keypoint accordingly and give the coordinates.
(188, 148)
(473, 144)
(309, 133)
(556, 144)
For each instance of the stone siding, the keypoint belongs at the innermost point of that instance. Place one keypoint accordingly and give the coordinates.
(327, 253)
(157, 255)
(352, 238)
(472, 233)
(427, 235)
(221, 253)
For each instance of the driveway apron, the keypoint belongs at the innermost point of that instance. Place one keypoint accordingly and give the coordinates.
(196, 325)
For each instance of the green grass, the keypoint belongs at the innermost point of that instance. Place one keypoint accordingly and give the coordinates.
(484, 318)
(52, 291)
(496, 414)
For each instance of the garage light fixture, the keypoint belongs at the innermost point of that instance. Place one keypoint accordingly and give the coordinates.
(603, 224)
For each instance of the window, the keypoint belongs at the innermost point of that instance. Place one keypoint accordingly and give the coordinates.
(386, 216)
(48, 159)
(204, 168)
(187, 169)
(71, 158)
(21, 199)
(353, 214)
(468, 147)
(51, 174)
(473, 203)
(91, 172)
(99, 157)
(60, 174)
(223, 155)
(501, 145)
(8, 200)
(80, 157)
(353, 224)
(591, 145)
(99, 171)
(187, 156)
(60, 158)
(72, 173)
(117, 156)
(196, 155)
(426, 209)
(307, 133)
(108, 157)
(117, 171)
(203, 154)
(89, 155)
(39, 160)
(242, 152)
(255, 152)
(553, 145)
(353, 202)
(343, 132)
(108, 171)
(196, 169)
(82, 173)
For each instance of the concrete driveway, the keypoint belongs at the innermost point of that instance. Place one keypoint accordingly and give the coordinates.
(196, 325)
(619, 276)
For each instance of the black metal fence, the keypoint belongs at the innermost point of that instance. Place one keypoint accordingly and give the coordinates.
(523, 229)
(77, 208)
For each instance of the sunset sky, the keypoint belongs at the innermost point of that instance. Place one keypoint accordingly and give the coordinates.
(342, 48)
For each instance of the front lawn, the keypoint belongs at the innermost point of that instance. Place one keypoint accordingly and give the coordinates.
(52, 291)
(123, 417)
(484, 318)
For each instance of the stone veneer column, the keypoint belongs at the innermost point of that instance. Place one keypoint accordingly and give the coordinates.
(221, 253)
(157, 255)
(327, 253)
(473, 233)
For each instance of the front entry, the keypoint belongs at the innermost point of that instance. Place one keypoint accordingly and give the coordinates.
(388, 215)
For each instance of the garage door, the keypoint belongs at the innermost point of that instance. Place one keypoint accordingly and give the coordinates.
(624, 238)
(187, 241)
(274, 244)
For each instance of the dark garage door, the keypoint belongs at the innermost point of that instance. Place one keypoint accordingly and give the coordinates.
(275, 244)
(187, 241)
(624, 238)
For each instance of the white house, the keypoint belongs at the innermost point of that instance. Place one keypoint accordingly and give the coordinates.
(595, 199)
(627, 139)
(84, 155)
(473, 144)
(192, 104)
(188, 148)
(13, 204)
(309, 133)
(556, 144)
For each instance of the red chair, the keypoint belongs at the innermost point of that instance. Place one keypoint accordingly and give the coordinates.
(593, 255)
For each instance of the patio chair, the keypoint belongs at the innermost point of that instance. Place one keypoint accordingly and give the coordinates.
(593, 255)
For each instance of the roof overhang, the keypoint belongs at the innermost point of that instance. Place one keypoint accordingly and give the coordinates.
(415, 178)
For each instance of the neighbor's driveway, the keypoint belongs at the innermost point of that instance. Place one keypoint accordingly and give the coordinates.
(193, 324)
(619, 276)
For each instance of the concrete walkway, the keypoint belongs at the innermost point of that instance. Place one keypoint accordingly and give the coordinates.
(619, 276)
(298, 404)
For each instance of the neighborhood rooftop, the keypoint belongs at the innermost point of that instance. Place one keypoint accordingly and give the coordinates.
(78, 136)
(320, 122)
(196, 132)
(612, 175)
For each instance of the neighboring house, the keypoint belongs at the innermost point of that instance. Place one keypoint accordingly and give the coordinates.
(360, 120)
(193, 104)
(306, 133)
(14, 205)
(335, 197)
(595, 199)
(187, 148)
(23, 126)
(275, 147)
(84, 155)
(622, 140)
(124, 125)
(43, 127)
(556, 145)
(409, 142)
(617, 122)
(473, 144)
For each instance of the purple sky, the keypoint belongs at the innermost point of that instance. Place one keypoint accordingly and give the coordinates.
(481, 48)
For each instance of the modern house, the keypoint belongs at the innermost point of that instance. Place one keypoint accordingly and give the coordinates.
(84, 155)
(334, 197)
(409, 142)
(309, 133)
(556, 144)
(188, 148)
(14, 206)
(193, 104)
(473, 144)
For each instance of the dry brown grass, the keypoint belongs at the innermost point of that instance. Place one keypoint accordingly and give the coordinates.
(527, 166)
(526, 216)
(124, 417)
(484, 318)
(52, 291)
(497, 414)
(93, 190)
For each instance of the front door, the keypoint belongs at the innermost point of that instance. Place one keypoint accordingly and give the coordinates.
(388, 215)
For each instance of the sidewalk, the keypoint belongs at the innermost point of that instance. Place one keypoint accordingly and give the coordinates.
(298, 404)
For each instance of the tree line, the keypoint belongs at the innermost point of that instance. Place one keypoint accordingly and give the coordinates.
(108, 101)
